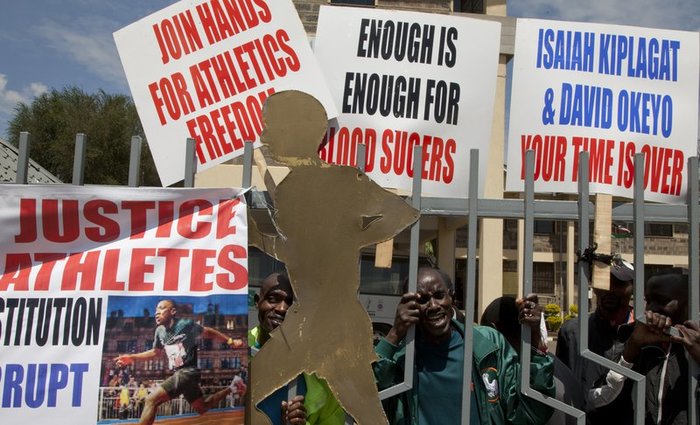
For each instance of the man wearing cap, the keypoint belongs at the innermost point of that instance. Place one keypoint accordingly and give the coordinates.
(608, 328)
(659, 352)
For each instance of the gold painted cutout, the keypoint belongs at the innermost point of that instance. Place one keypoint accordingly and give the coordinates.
(324, 214)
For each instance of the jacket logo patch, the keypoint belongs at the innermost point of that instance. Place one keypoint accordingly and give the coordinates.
(490, 378)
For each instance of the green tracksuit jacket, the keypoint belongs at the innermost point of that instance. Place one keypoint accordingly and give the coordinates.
(492, 354)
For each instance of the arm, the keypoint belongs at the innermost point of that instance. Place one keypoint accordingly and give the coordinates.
(690, 338)
(606, 393)
(650, 333)
(520, 408)
(214, 334)
(127, 359)
(388, 349)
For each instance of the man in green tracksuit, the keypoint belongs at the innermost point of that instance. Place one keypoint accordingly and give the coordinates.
(436, 396)
(315, 403)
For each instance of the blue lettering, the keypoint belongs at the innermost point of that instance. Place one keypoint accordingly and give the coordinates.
(12, 389)
(36, 385)
(40, 384)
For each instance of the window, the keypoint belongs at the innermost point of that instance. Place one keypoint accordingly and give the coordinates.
(543, 278)
(122, 346)
(354, 2)
(380, 281)
(469, 6)
(208, 344)
(544, 227)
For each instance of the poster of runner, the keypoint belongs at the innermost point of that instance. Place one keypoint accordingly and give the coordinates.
(612, 91)
(122, 304)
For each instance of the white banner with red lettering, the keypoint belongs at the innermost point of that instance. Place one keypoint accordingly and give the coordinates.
(609, 90)
(404, 79)
(85, 272)
(202, 69)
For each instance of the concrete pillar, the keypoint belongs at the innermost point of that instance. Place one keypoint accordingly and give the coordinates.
(447, 242)
(491, 233)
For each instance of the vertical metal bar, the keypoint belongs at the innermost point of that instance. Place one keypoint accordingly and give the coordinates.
(247, 178)
(417, 188)
(190, 164)
(409, 362)
(639, 307)
(23, 158)
(79, 159)
(135, 161)
(529, 219)
(638, 213)
(361, 149)
(470, 290)
(693, 275)
(583, 239)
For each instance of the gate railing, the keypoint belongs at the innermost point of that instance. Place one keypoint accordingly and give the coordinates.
(528, 209)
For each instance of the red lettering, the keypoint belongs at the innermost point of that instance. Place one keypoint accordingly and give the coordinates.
(139, 216)
(109, 272)
(68, 215)
(292, 59)
(173, 259)
(48, 261)
(27, 221)
(187, 216)
(93, 213)
(224, 217)
(200, 270)
(83, 266)
(17, 270)
(237, 278)
(139, 268)
(451, 148)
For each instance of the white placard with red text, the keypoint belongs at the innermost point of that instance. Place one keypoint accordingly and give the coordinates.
(612, 91)
(81, 271)
(401, 79)
(202, 69)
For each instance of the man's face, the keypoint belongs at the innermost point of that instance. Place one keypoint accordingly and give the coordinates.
(667, 298)
(435, 305)
(275, 299)
(165, 311)
(617, 299)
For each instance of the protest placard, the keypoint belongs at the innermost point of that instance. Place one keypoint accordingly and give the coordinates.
(404, 79)
(105, 293)
(609, 90)
(203, 69)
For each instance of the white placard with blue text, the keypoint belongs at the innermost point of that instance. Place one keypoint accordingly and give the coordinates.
(404, 79)
(612, 91)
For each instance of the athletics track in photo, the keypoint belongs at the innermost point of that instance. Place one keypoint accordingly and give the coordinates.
(212, 417)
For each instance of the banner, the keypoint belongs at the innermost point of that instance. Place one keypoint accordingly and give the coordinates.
(202, 69)
(405, 79)
(109, 294)
(612, 91)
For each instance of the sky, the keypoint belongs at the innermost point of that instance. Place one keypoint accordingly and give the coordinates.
(52, 44)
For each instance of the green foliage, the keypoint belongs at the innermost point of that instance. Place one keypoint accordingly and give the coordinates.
(553, 323)
(552, 310)
(109, 121)
(573, 310)
(569, 317)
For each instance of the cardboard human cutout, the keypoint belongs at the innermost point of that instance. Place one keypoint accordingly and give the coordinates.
(324, 214)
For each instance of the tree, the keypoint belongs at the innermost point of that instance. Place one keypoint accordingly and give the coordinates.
(109, 121)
